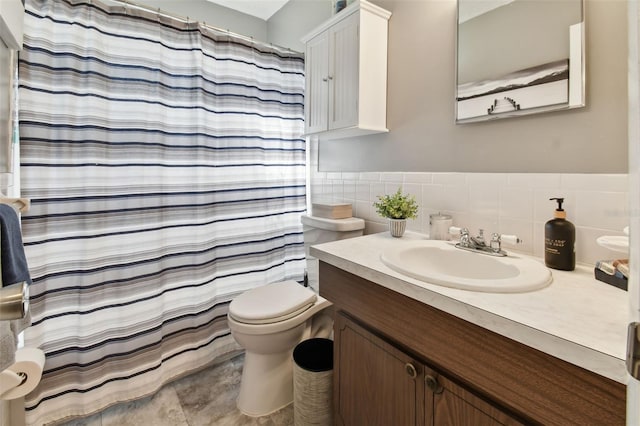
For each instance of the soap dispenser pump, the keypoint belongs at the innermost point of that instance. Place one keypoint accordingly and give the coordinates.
(559, 240)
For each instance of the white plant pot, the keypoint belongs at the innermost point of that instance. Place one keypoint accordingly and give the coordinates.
(397, 227)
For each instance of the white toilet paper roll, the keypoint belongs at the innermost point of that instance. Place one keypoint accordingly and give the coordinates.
(29, 364)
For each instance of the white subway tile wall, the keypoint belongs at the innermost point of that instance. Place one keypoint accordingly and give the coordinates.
(507, 203)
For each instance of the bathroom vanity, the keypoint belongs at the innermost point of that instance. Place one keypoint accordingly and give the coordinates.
(410, 352)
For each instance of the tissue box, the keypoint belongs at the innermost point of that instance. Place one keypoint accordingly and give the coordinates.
(332, 211)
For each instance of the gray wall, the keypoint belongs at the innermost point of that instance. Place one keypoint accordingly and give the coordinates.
(212, 14)
(296, 18)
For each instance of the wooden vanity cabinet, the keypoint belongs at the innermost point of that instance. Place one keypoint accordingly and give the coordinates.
(398, 361)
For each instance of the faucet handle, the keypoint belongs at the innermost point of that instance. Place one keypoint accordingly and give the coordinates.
(510, 239)
(454, 230)
(495, 242)
(465, 238)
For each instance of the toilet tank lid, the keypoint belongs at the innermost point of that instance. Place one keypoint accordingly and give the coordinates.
(340, 225)
(272, 303)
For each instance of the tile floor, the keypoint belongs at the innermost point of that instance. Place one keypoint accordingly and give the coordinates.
(202, 399)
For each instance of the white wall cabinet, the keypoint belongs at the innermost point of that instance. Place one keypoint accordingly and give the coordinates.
(346, 73)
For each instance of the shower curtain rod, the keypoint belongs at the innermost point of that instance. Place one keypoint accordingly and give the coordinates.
(211, 27)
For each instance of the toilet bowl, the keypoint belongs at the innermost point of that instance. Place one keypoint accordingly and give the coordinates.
(270, 320)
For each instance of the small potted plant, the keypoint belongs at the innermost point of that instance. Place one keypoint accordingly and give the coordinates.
(397, 208)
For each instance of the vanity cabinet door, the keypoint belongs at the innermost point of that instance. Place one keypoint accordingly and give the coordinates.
(448, 404)
(374, 383)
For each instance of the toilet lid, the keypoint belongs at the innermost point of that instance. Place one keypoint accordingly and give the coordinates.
(271, 303)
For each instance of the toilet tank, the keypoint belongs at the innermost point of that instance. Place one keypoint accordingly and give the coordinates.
(321, 230)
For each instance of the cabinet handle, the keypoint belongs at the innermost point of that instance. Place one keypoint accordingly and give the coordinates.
(330, 77)
(411, 370)
(325, 79)
(433, 384)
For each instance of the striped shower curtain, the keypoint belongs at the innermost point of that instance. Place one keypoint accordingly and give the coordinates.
(165, 165)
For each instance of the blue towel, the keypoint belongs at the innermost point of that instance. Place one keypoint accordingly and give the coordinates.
(14, 262)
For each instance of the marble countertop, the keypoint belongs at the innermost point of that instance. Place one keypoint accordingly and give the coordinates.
(576, 318)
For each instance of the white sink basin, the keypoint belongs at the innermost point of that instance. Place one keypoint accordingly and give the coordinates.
(439, 262)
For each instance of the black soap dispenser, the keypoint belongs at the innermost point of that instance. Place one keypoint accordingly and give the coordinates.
(559, 241)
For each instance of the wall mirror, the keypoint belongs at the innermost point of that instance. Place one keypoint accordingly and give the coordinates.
(517, 57)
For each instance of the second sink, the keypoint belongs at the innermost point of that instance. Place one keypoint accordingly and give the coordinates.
(439, 262)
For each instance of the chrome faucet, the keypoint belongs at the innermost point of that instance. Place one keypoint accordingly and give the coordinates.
(478, 243)
(478, 240)
(470, 242)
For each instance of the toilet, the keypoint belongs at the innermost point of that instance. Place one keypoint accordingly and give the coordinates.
(270, 320)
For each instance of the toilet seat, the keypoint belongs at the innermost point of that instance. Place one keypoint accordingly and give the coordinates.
(272, 303)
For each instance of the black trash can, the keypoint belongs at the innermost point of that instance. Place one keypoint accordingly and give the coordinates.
(313, 382)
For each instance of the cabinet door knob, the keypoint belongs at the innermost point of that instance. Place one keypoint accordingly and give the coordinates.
(325, 79)
(433, 384)
(330, 77)
(411, 370)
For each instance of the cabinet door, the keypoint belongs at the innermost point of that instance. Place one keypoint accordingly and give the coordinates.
(448, 404)
(344, 53)
(375, 384)
(317, 84)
